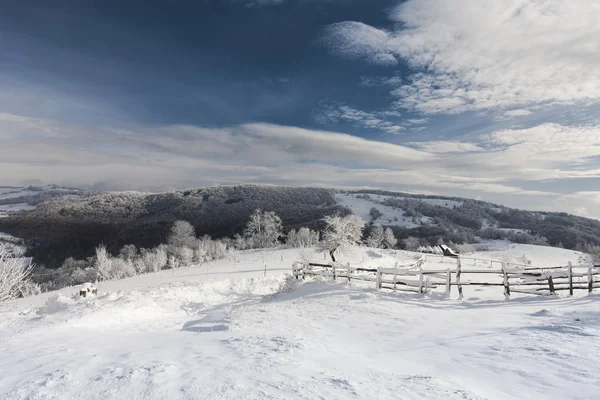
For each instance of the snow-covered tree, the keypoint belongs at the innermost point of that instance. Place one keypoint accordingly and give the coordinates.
(263, 229)
(389, 240)
(103, 264)
(376, 236)
(14, 274)
(411, 243)
(182, 234)
(341, 233)
(303, 237)
(381, 238)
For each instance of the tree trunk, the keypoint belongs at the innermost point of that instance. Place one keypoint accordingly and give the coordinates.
(331, 254)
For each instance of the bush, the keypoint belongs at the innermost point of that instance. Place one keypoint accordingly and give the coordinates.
(303, 237)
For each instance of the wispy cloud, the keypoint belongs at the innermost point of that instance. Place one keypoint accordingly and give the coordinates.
(476, 55)
(331, 114)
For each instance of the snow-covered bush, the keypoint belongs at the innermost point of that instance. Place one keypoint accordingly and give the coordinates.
(154, 260)
(121, 268)
(27, 288)
(341, 233)
(263, 229)
(303, 237)
(208, 249)
(108, 267)
(14, 273)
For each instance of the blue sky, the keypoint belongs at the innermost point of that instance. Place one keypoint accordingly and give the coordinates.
(497, 101)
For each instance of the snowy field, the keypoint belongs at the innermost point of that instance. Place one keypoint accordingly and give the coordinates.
(224, 330)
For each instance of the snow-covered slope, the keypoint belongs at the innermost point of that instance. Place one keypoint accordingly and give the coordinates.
(14, 199)
(361, 207)
(224, 330)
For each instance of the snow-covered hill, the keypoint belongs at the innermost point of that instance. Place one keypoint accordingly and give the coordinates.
(224, 330)
(21, 198)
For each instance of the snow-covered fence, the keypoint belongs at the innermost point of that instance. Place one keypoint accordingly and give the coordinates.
(527, 280)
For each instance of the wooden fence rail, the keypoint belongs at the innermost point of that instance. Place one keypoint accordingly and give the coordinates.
(525, 279)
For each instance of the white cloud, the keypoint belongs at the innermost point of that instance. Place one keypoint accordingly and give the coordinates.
(515, 113)
(484, 55)
(183, 156)
(440, 147)
(333, 113)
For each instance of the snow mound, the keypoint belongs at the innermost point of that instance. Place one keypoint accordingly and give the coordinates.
(56, 304)
(542, 313)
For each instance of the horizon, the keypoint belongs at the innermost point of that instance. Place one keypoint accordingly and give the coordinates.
(457, 99)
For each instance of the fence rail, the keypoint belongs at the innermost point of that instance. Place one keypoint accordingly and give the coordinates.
(523, 279)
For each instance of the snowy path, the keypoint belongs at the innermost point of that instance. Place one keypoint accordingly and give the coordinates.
(225, 336)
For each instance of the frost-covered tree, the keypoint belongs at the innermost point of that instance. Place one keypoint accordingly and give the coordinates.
(411, 243)
(182, 234)
(303, 237)
(14, 274)
(263, 229)
(389, 240)
(376, 236)
(103, 264)
(341, 233)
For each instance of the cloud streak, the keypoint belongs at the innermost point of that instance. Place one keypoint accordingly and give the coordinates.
(475, 55)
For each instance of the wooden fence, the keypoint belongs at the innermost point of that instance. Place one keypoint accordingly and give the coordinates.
(525, 279)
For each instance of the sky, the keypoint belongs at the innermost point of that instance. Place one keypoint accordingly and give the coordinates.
(498, 101)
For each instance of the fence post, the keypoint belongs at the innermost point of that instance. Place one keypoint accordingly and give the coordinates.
(551, 283)
(394, 282)
(570, 272)
(378, 280)
(590, 280)
(421, 282)
(348, 272)
(458, 285)
(448, 281)
(506, 283)
(333, 266)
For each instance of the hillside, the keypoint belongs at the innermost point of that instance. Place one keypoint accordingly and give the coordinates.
(58, 223)
(463, 220)
(73, 228)
(223, 330)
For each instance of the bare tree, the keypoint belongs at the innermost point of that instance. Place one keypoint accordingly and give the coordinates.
(14, 272)
(341, 233)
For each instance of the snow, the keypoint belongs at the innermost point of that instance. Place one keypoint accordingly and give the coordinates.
(224, 330)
